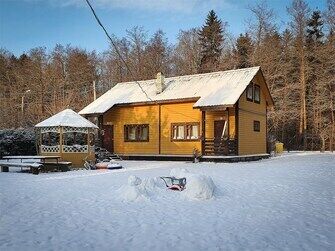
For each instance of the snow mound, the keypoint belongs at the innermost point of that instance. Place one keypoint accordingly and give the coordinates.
(198, 186)
(151, 184)
(134, 180)
(133, 191)
(139, 190)
(179, 172)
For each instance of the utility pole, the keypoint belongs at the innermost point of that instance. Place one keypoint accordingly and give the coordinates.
(94, 91)
(22, 106)
(22, 101)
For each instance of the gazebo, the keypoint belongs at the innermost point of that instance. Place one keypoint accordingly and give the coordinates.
(68, 135)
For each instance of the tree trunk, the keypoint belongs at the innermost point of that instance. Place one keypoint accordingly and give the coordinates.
(323, 141)
(332, 128)
(303, 113)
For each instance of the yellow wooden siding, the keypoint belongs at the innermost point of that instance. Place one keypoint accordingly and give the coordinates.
(120, 116)
(249, 141)
(170, 113)
(177, 113)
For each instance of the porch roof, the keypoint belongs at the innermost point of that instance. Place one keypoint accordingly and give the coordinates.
(210, 89)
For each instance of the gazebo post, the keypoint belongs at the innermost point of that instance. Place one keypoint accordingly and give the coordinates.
(61, 141)
(88, 141)
(39, 140)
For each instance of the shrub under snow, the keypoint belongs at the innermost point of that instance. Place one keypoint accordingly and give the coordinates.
(17, 142)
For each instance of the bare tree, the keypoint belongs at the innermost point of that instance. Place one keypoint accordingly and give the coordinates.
(299, 12)
(187, 53)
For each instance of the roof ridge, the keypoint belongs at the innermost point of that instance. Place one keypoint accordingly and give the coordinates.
(189, 75)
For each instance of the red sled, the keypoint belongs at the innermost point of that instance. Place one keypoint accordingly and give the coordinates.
(174, 183)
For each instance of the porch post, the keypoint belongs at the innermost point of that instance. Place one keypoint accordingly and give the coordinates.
(100, 135)
(203, 131)
(237, 121)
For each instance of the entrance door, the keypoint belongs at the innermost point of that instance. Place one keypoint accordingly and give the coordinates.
(108, 138)
(219, 146)
(218, 129)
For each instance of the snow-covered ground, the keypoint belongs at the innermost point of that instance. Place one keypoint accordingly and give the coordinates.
(283, 203)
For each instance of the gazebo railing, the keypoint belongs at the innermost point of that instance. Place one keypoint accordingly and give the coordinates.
(50, 149)
(75, 149)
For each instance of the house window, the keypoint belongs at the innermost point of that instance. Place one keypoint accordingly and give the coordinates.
(184, 131)
(136, 133)
(257, 94)
(250, 92)
(257, 126)
(254, 93)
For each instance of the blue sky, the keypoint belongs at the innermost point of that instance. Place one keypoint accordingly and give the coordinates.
(25, 24)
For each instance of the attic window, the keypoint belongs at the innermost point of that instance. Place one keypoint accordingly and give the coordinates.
(257, 94)
(250, 92)
(253, 93)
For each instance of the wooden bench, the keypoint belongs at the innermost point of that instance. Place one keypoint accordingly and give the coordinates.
(62, 166)
(48, 163)
(34, 167)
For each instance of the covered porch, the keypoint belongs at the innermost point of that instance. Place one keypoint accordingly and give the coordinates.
(219, 131)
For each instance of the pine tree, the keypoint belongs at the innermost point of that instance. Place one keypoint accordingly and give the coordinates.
(314, 37)
(314, 28)
(211, 39)
(243, 50)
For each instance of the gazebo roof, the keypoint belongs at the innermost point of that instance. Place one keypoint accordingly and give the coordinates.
(68, 118)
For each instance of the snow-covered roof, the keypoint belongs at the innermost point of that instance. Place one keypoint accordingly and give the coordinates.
(212, 89)
(67, 118)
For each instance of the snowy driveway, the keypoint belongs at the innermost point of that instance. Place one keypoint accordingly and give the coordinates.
(283, 203)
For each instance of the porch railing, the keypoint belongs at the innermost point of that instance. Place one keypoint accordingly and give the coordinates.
(223, 147)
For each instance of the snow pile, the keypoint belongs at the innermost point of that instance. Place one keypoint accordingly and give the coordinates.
(198, 186)
(179, 173)
(134, 181)
(137, 189)
(133, 191)
(151, 184)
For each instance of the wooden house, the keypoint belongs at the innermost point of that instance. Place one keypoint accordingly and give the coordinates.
(215, 114)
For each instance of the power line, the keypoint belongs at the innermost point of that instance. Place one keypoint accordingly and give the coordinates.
(124, 61)
(116, 49)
